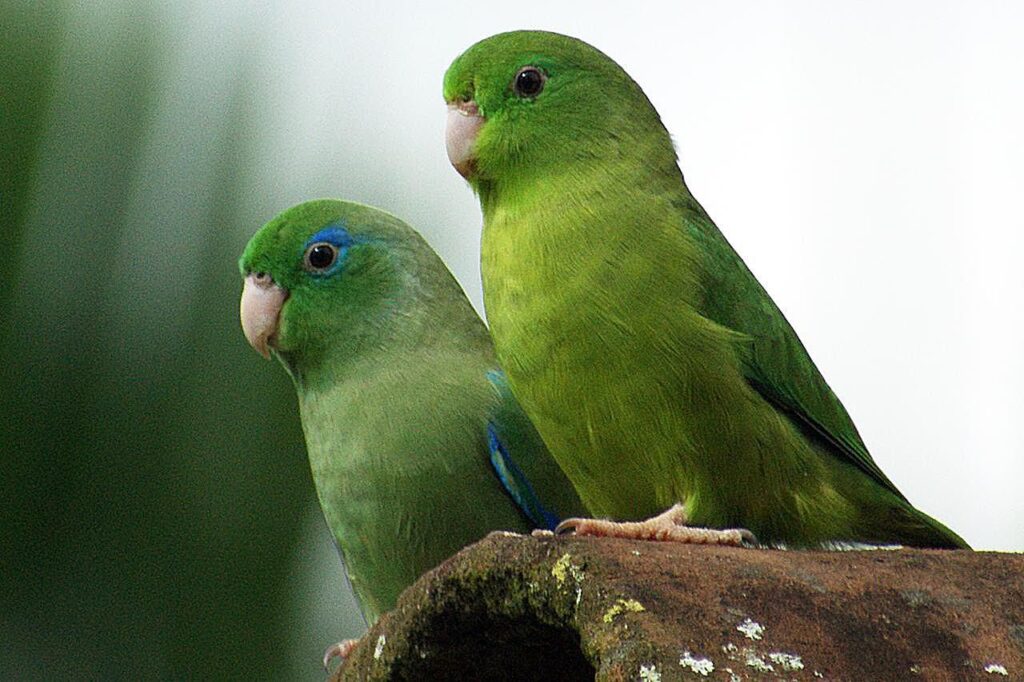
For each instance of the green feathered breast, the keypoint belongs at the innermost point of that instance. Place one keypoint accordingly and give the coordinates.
(652, 362)
(396, 381)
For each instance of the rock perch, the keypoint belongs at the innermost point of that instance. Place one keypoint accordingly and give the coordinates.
(520, 608)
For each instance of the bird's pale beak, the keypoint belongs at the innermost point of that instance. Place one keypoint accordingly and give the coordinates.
(262, 300)
(464, 121)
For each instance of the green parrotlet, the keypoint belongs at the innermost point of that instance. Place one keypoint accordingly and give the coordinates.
(656, 368)
(416, 445)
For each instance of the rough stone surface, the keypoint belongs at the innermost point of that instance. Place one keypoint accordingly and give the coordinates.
(520, 608)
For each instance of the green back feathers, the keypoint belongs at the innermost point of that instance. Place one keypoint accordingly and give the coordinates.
(775, 361)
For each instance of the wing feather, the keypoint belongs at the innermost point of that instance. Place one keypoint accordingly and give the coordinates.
(775, 361)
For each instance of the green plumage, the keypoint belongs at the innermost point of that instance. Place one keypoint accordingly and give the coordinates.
(650, 359)
(391, 365)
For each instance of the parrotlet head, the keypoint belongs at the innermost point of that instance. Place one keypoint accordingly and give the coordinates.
(329, 275)
(535, 102)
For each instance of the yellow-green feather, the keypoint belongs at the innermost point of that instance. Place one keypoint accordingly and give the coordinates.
(653, 364)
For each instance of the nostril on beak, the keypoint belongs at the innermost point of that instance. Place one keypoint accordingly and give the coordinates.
(463, 124)
(259, 310)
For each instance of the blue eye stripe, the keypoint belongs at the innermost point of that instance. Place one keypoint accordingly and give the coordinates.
(337, 236)
(332, 234)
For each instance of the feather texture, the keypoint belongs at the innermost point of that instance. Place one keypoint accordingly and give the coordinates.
(654, 365)
(393, 371)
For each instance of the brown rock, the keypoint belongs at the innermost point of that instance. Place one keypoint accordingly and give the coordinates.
(519, 608)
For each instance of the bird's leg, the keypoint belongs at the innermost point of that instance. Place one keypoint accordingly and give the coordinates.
(340, 650)
(669, 526)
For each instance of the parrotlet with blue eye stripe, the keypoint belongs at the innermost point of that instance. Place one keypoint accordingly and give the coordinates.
(416, 444)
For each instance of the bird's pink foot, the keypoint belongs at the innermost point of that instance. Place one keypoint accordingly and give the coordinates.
(340, 650)
(669, 526)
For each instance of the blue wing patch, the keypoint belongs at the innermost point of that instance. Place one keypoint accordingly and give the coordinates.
(516, 484)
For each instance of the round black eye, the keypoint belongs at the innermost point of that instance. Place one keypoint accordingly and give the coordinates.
(321, 256)
(528, 82)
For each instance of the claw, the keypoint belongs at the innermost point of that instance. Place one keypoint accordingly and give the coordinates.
(748, 538)
(567, 526)
(669, 526)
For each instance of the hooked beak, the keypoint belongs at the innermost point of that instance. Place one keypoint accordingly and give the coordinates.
(464, 122)
(262, 300)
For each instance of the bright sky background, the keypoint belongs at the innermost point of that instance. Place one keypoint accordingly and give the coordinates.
(865, 159)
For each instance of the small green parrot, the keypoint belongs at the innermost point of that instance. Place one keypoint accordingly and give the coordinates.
(656, 368)
(416, 445)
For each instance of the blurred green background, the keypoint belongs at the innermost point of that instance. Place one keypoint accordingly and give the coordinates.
(157, 518)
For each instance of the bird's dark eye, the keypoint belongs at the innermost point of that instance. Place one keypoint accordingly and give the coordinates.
(529, 81)
(320, 256)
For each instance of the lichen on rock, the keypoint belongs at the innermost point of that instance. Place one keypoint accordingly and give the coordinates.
(565, 608)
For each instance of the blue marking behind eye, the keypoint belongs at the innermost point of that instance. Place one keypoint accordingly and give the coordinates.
(334, 234)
